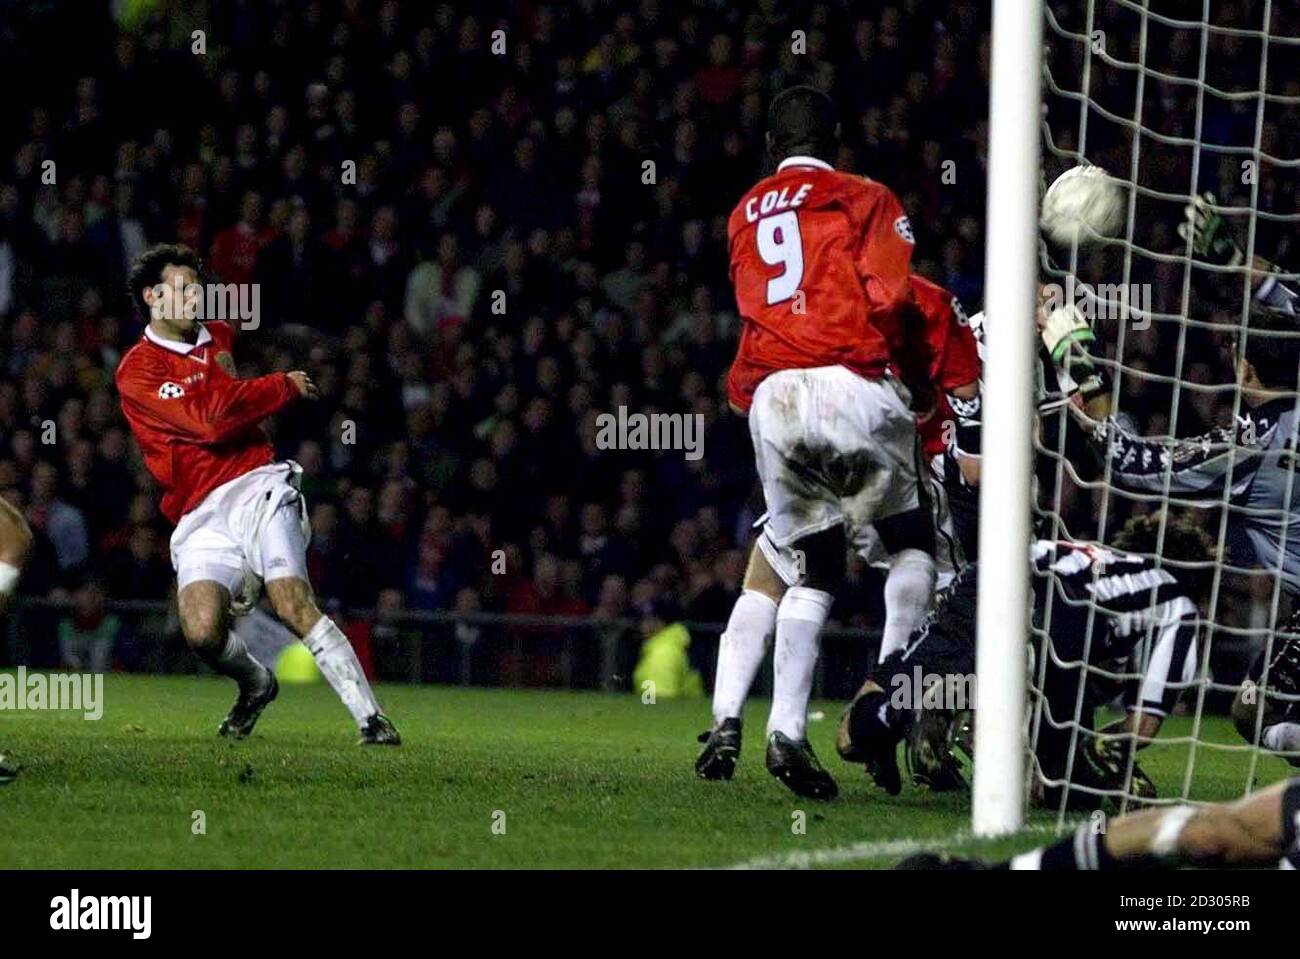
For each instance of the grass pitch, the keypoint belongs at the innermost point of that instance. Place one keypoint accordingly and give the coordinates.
(485, 779)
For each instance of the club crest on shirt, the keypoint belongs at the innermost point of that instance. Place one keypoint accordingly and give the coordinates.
(227, 363)
(903, 227)
(170, 391)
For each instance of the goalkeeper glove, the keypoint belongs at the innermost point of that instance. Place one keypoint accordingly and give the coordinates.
(1067, 336)
(1210, 237)
(1065, 330)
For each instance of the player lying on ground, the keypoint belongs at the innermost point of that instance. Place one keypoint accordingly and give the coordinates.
(241, 522)
(1098, 606)
(1256, 458)
(911, 574)
(820, 261)
(15, 545)
(1256, 831)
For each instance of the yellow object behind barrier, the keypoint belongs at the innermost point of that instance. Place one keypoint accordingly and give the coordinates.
(296, 665)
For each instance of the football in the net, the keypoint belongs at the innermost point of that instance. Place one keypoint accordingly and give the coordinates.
(1084, 204)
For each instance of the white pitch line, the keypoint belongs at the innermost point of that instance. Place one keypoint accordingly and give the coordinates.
(854, 852)
(865, 851)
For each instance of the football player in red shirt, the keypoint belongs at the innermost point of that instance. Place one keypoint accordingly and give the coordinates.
(832, 365)
(240, 516)
(955, 376)
(954, 373)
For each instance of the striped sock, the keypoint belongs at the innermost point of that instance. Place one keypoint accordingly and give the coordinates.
(1084, 851)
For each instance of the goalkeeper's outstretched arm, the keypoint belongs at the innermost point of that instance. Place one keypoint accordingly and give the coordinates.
(1268, 357)
(1196, 467)
(1213, 242)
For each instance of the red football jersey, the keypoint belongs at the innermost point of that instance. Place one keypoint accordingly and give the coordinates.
(820, 262)
(195, 420)
(955, 359)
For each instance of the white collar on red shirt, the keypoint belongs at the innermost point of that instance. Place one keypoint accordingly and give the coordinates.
(179, 346)
(803, 161)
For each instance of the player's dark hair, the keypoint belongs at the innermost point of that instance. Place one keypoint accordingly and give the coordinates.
(1185, 542)
(147, 269)
(802, 122)
(1272, 347)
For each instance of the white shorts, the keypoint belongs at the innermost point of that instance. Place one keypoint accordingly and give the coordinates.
(948, 556)
(245, 533)
(831, 448)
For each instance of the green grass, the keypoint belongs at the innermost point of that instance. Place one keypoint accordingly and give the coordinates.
(584, 780)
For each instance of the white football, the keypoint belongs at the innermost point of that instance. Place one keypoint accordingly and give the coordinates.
(1084, 204)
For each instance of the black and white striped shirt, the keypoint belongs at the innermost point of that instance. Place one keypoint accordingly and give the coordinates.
(1133, 599)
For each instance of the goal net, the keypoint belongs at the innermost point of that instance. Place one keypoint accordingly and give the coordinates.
(1175, 99)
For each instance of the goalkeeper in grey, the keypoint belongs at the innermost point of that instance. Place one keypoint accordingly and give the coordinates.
(1250, 466)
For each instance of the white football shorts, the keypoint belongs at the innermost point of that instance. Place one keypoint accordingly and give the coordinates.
(246, 532)
(831, 447)
(948, 555)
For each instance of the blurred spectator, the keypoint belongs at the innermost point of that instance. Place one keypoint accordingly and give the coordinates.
(88, 636)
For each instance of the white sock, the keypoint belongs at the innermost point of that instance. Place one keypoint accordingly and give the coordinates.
(1282, 738)
(909, 588)
(338, 664)
(741, 651)
(8, 578)
(799, 620)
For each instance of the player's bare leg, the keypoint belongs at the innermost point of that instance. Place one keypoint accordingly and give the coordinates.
(740, 653)
(15, 545)
(294, 604)
(1255, 831)
(799, 619)
(204, 608)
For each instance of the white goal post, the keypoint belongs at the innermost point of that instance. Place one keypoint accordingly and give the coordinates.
(1194, 107)
(1010, 290)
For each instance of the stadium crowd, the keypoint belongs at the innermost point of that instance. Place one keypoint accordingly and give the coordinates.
(521, 172)
(476, 241)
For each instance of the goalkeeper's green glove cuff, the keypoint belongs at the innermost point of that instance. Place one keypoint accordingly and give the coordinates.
(1073, 342)
(1064, 330)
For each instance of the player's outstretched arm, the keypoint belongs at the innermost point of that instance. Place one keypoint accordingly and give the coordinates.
(1249, 832)
(1195, 467)
(205, 412)
(1256, 831)
(1213, 242)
